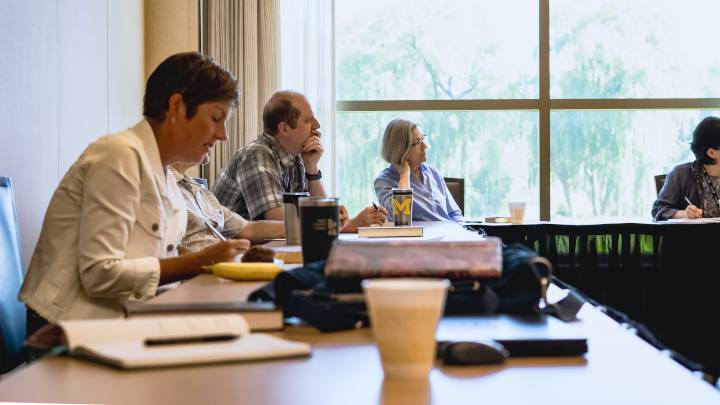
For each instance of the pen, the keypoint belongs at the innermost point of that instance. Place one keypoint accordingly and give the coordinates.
(215, 231)
(188, 339)
(375, 206)
(688, 201)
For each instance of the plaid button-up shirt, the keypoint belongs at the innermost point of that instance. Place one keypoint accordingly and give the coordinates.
(204, 210)
(257, 176)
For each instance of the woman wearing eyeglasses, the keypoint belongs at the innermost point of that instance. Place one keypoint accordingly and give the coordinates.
(692, 190)
(404, 147)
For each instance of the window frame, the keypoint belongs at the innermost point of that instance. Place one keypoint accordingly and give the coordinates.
(544, 105)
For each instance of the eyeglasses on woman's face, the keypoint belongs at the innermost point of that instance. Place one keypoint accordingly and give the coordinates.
(418, 141)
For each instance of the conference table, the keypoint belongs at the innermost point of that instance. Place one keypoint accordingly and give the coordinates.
(665, 275)
(344, 368)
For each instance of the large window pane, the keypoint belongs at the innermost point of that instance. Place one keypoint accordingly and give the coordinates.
(603, 162)
(634, 49)
(429, 49)
(495, 152)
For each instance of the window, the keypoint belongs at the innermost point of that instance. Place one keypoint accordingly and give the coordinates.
(570, 106)
(410, 50)
(603, 162)
(436, 50)
(633, 49)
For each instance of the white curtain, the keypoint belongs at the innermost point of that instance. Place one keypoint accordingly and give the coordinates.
(307, 65)
(243, 35)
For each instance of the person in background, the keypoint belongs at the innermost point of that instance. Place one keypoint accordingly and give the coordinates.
(112, 229)
(283, 159)
(209, 221)
(692, 190)
(404, 147)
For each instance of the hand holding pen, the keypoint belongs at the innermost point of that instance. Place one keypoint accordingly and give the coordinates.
(343, 216)
(691, 211)
(382, 213)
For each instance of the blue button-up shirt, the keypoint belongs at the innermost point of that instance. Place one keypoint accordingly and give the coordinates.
(432, 200)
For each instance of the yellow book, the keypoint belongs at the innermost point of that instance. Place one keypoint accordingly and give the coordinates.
(289, 254)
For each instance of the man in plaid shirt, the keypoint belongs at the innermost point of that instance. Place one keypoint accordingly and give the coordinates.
(283, 159)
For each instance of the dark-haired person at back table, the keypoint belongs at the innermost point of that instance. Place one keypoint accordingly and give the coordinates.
(283, 159)
(403, 146)
(113, 226)
(698, 181)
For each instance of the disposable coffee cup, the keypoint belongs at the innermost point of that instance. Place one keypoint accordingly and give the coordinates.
(402, 204)
(319, 227)
(404, 314)
(517, 212)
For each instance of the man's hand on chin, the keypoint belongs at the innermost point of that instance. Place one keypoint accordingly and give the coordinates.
(312, 152)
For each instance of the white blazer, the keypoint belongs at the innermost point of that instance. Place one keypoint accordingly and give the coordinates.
(113, 215)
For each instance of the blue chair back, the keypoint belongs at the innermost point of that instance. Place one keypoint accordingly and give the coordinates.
(12, 311)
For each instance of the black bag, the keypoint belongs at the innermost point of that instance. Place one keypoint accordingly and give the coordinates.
(306, 293)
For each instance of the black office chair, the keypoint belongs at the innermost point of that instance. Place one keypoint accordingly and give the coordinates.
(12, 311)
(457, 190)
(659, 181)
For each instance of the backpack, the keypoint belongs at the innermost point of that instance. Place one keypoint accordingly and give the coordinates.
(334, 305)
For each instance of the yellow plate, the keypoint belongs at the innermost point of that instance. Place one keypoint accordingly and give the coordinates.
(246, 271)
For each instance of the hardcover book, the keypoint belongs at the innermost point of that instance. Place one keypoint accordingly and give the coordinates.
(389, 231)
(260, 316)
(415, 258)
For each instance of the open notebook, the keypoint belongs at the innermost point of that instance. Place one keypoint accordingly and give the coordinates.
(165, 341)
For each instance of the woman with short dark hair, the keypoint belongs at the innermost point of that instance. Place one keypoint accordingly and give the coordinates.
(692, 190)
(404, 147)
(112, 229)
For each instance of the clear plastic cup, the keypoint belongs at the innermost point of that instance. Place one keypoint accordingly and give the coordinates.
(517, 212)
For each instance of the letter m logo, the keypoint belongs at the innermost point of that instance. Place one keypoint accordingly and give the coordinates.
(402, 207)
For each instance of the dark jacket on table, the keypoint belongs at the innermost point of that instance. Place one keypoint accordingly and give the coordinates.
(683, 181)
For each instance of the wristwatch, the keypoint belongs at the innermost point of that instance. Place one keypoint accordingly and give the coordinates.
(311, 177)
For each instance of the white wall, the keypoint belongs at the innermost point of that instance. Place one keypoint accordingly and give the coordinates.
(70, 71)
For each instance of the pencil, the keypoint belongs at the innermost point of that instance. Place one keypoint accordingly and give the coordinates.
(688, 201)
(375, 206)
(215, 231)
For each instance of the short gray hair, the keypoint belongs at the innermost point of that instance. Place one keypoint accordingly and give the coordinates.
(397, 141)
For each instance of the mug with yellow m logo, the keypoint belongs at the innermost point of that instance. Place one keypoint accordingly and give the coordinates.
(402, 201)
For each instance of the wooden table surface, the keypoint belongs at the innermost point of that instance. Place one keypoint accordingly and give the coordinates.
(345, 369)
